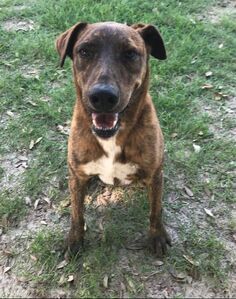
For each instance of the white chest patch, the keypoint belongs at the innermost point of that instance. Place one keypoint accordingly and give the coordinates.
(106, 168)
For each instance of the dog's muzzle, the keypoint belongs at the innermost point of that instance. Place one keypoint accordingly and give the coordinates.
(103, 100)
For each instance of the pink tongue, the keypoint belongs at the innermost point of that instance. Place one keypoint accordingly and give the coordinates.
(104, 120)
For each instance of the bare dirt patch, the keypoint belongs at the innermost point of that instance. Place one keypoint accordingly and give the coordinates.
(216, 13)
(220, 115)
(13, 166)
(18, 25)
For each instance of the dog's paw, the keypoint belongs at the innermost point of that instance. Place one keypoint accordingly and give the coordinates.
(158, 242)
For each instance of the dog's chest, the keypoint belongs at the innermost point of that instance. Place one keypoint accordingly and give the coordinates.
(107, 168)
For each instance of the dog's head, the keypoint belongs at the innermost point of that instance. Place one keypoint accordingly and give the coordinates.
(110, 64)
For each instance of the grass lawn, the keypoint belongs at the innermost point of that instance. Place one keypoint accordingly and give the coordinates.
(194, 93)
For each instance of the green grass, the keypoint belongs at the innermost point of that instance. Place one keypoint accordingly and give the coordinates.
(12, 209)
(192, 50)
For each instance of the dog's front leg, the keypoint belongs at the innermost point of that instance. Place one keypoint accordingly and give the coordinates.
(75, 238)
(158, 236)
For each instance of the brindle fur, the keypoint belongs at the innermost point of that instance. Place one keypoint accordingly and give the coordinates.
(140, 136)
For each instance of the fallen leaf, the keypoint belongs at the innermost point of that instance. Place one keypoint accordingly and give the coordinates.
(43, 222)
(173, 135)
(65, 203)
(31, 144)
(209, 212)
(217, 96)
(28, 201)
(32, 103)
(105, 281)
(10, 113)
(158, 263)
(48, 201)
(38, 140)
(196, 147)
(189, 279)
(131, 285)
(180, 276)
(208, 74)
(22, 158)
(33, 257)
(22, 279)
(62, 280)
(6, 269)
(234, 237)
(207, 86)
(62, 264)
(100, 226)
(70, 278)
(36, 203)
(188, 191)
(190, 260)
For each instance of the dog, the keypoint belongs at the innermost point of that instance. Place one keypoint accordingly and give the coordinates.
(115, 133)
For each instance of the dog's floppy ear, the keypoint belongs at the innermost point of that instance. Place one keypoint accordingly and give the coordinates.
(65, 42)
(153, 39)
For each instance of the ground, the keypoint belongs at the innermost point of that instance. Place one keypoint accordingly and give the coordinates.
(194, 93)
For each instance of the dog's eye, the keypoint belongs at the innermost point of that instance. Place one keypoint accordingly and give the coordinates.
(83, 52)
(131, 54)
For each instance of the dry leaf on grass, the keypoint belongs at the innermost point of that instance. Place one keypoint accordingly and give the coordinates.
(188, 191)
(158, 263)
(32, 103)
(179, 276)
(207, 86)
(62, 280)
(190, 260)
(173, 135)
(6, 269)
(10, 113)
(43, 222)
(28, 201)
(70, 278)
(234, 237)
(36, 203)
(63, 129)
(105, 281)
(209, 213)
(62, 264)
(219, 96)
(33, 257)
(208, 74)
(131, 285)
(33, 143)
(196, 148)
(48, 201)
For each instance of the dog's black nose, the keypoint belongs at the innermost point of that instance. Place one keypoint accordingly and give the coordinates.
(104, 97)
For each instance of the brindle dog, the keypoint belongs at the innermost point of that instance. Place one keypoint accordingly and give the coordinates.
(115, 133)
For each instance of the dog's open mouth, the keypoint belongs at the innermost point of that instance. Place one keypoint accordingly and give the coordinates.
(105, 125)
